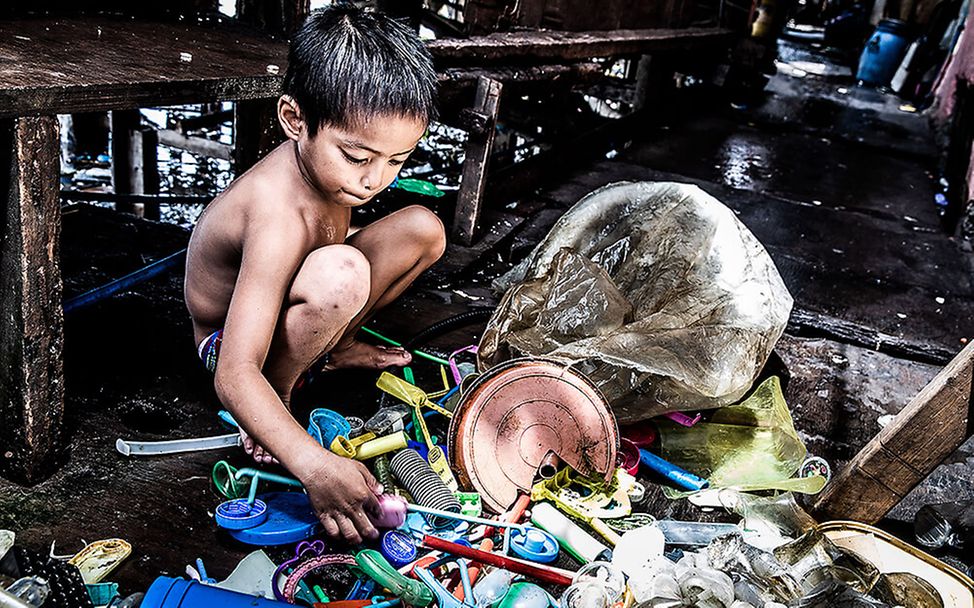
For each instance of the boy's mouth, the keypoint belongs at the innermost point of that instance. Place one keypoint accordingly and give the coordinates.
(356, 196)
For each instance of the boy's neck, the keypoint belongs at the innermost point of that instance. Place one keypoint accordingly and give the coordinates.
(306, 182)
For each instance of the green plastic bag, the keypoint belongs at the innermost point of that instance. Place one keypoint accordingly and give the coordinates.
(749, 446)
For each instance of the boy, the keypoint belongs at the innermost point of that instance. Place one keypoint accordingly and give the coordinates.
(274, 278)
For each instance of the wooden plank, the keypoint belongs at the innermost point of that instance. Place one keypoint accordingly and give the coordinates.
(808, 323)
(573, 46)
(928, 429)
(196, 145)
(457, 86)
(99, 63)
(111, 197)
(31, 338)
(476, 159)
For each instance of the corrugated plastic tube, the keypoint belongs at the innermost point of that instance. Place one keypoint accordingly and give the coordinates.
(425, 486)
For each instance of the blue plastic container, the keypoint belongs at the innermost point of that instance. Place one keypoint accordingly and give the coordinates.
(883, 53)
(167, 592)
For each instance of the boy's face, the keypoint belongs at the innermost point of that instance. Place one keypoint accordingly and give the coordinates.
(350, 165)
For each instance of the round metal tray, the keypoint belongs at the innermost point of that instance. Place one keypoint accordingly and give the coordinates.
(513, 415)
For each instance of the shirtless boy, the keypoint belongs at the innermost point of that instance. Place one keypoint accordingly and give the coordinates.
(275, 280)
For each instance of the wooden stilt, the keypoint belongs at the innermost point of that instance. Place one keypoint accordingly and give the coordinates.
(255, 132)
(31, 382)
(928, 429)
(145, 151)
(481, 124)
(125, 161)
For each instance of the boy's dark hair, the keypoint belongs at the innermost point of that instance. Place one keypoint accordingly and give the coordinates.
(346, 66)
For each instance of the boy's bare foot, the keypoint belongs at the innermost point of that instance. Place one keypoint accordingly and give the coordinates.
(261, 456)
(359, 354)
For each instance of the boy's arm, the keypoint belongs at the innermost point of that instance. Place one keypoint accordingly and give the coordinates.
(341, 489)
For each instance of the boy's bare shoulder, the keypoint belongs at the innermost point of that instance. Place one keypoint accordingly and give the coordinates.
(262, 199)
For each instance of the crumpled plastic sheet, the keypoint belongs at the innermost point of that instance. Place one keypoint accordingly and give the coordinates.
(749, 446)
(656, 291)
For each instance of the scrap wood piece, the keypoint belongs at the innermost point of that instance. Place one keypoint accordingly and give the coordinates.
(568, 46)
(901, 456)
(482, 121)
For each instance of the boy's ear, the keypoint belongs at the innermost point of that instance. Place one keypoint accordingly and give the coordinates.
(289, 114)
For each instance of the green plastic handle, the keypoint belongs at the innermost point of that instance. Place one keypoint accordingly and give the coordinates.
(375, 566)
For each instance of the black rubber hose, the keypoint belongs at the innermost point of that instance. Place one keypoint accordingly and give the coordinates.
(441, 328)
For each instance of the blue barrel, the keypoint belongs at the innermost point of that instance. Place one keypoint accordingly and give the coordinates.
(883, 53)
(167, 592)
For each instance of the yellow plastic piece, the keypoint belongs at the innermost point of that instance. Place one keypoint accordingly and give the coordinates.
(99, 558)
(381, 445)
(748, 447)
(415, 397)
(586, 497)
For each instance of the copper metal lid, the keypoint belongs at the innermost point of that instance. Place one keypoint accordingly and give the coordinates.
(518, 412)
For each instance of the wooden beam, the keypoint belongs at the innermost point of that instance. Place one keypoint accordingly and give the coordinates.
(809, 324)
(573, 46)
(928, 430)
(196, 145)
(31, 338)
(477, 156)
(145, 199)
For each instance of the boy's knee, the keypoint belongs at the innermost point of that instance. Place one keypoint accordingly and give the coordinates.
(427, 229)
(341, 279)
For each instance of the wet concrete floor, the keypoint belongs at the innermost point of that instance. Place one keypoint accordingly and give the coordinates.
(838, 185)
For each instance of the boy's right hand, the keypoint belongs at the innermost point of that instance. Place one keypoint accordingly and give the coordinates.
(344, 494)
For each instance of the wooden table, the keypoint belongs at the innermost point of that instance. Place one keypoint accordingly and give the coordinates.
(60, 66)
(50, 67)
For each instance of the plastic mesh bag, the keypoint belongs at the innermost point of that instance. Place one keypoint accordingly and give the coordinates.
(656, 291)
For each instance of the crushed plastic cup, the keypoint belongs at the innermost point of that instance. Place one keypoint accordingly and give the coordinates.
(585, 595)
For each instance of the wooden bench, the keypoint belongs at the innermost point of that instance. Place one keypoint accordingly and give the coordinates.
(50, 67)
(60, 66)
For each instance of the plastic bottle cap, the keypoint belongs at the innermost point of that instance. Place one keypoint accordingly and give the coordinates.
(290, 518)
(237, 514)
(398, 548)
(537, 545)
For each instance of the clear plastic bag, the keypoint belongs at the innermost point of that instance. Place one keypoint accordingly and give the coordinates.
(655, 290)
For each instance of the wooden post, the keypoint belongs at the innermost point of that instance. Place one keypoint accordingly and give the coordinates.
(145, 144)
(482, 122)
(31, 337)
(928, 429)
(255, 132)
(654, 80)
(276, 17)
(124, 124)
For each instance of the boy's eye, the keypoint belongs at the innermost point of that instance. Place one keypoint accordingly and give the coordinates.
(396, 163)
(352, 159)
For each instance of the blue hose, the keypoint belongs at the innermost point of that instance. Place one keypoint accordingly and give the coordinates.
(109, 289)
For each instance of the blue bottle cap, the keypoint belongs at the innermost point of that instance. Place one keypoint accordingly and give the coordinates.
(535, 545)
(290, 519)
(398, 548)
(236, 514)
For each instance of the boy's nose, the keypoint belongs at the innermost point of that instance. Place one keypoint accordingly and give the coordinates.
(372, 179)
